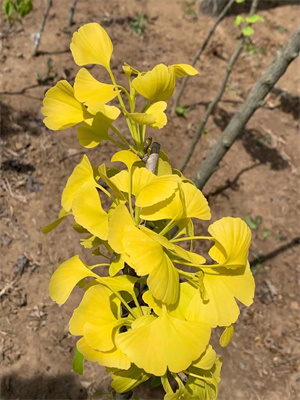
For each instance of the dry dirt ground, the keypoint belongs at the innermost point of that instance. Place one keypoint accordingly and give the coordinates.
(257, 178)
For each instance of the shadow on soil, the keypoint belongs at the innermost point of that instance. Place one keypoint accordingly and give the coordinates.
(259, 146)
(232, 184)
(41, 387)
(12, 122)
(265, 257)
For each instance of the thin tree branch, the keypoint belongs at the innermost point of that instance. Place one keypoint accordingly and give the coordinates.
(72, 11)
(213, 103)
(220, 93)
(255, 100)
(38, 36)
(202, 48)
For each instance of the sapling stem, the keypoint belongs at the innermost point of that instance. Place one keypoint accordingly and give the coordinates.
(71, 13)
(202, 48)
(213, 104)
(38, 36)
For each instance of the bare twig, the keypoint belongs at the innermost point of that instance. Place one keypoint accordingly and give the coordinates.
(202, 48)
(72, 11)
(255, 100)
(213, 103)
(38, 36)
(8, 286)
(220, 93)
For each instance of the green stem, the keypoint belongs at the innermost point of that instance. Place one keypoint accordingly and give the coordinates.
(121, 101)
(137, 215)
(191, 238)
(107, 193)
(98, 265)
(118, 296)
(122, 138)
(168, 227)
(146, 106)
(125, 91)
(137, 304)
(116, 143)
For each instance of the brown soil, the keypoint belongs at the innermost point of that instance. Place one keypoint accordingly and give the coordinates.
(258, 177)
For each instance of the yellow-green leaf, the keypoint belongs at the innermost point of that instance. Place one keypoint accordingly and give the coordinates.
(82, 174)
(91, 45)
(61, 109)
(88, 211)
(65, 278)
(92, 92)
(226, 336)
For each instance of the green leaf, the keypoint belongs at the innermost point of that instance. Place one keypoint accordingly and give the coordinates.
(247, 31)
(8, 8)
(255, 18)
(78, 361)
(249, 221)
(239, 19)
(258, 220)
(181, 111)
(266, 233)
(240, 1)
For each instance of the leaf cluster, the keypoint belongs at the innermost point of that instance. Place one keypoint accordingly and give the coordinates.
(16, 9)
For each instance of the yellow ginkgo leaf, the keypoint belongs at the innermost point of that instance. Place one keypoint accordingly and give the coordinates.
(91, 45)
(126, 157)
(189, 202)
(158, 190)
(226, 336)
(141, 177)
(128, 70)
(94, 130)
(91, 92)
(203, 383)
(147, 257)
(61, 109)
(222, 289)
(120, 283)
(82, 174)
(154, 116)
(164, 342)
(157, 111)
(232, 240)
(124, 381)
(116, 265)
(181, 70)
(120, 219)
(155, 85)
(163, 167)
(142, 118)
(65, 278)
(62, 215)
(114, 358)
(88, 211)
(94, 319)
(207, 359)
